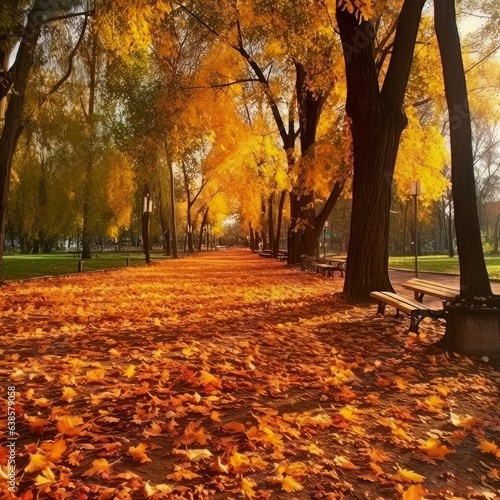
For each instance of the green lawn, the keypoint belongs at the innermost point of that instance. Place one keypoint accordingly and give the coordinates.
(440, 263)
(17, 267)
(443, 264)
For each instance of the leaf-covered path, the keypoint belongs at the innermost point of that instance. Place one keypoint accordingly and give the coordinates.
(227, 375)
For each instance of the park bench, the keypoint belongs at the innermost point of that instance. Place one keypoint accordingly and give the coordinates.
(421, 288)
(329, 268)
(266, 253)
(416, 310)
(282, 256)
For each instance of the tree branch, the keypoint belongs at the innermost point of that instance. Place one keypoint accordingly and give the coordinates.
(396, 80)
(58, 85)
(69, 16)
(221, 84)
(329, 204)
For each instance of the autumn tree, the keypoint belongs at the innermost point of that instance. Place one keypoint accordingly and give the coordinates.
(39, 15)
(378, 119)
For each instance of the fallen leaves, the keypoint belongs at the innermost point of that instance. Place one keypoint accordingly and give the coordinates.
(191, 378)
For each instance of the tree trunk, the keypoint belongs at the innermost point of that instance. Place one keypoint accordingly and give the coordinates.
(270, 216)
(279, 220)
(12, 126)
(252, 237)
(474, 280)
(378, 120)
(146, 223)
(451, 252)
(173, 226)
(496, 235)
(202, 228)
(89, 166)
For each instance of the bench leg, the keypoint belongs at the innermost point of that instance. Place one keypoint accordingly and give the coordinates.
(381, 308)
(414, 323)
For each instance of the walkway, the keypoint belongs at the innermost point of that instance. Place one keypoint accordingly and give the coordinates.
(231, 376)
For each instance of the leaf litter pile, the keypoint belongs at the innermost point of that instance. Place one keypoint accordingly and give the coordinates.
(230, 376)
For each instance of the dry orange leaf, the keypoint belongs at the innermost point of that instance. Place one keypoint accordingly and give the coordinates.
(182, 473)
(139, 453)
(487, 447)
(414, 492)
(71, 426)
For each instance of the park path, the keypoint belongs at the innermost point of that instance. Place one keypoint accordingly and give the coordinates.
(227, 375)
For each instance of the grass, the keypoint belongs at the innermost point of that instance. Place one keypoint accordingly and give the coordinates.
(443, 264)
(16, 267)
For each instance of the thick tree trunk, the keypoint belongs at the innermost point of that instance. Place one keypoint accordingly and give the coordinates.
(279, 220)
(12, 126)
(474, 280)
(470, 328)
(378, 120)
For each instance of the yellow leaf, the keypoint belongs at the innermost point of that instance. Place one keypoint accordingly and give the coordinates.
(408, 476)
(343, 463)
(37, 462)
(45, 479)
(194, 455)
(130, 371)
(289, 484)
(238, 460)
(152, 489)
(314, 450)
(68, 394)
(207, 379)
(247, 486)
(139, 453)
(98, 467)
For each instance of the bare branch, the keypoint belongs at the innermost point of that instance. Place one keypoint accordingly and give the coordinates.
(58, 85)
(221, 84)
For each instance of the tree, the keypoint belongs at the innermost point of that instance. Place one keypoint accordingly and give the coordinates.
(39, 15)
(468, 331)
(378, 120)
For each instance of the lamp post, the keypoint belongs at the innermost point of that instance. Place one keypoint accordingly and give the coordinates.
(147, 208)
(415, 191)
(325, 227)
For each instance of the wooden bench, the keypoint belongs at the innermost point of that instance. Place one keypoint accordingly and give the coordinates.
(266, 253)
(327, 270)
(282, 256)
(416, 310)
(421, 288)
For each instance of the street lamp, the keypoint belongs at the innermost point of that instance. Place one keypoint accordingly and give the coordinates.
(415, 191)
(147, 208)
(325, 227)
